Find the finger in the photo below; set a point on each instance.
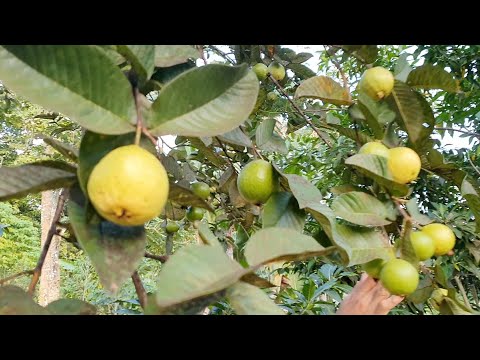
(388, 304)
(365, 284)
(378, 294)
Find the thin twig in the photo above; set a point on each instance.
(344, 78)
(300, 112)
(202, 54)
(473, 165)
(138, 133)
(221, 53)
(161, 258)
(51, 232)
(458, 130)
(224, 148)
(398, 203)
(142, 294)
(464, 294)
(150, 137)
(14, 276)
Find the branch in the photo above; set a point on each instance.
(161, 258)
(11, 277)
(202, 54)
(464, 294)
(344, 78)
(300, 112)
(224, 148)
(221, 53)
(51, 232)
(142, 294)
(458, 130)
(473, 165)
(138, 133)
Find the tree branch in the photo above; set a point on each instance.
(473, 165)
(202, 54)
(221, 53)
(14, 276)
(300, 112)
(464, 294)
(51, 232)
(161, 258)
(138, 133)
(224, 148)
(340, 70)
(458, 130)
(142, 294)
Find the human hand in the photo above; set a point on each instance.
(368, 297)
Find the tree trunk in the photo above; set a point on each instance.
(50, 278)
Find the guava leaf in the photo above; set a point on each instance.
(71, 307)
(236, 137)
(423, 292)
(275, 144)
(281, 210)
(377, 114)
(429, 76)
(275, 244)
(163, 75)
(325, 89)
(304, 191)
(412, 208)
(205, 101)
(186, 197)
(207, 152)
(264, 131)
(169, 55)
(15, 301)
(214, 271)
(402, 68)
(471, 195)
(76, 80)
(247, 299)
(451, 306)
(405, 248)
(66, 150)
(414, 114)
(94, 147)
(142, 58)
(376, 168)
(301, 57)
(302, 71)
(361, 209)
(365, 53)
(115, 251)
(207, 236)
(18, 181)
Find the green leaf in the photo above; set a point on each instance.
(358, 136)
(361, 209)
(423, 292)
(206, 101)
(249, 300)
(453, 307)
(365, 53)
(214, 271)
(207, 236)
(264, 131)
(281, 210)
(402, 68)
(94, 147)
(207, 152)
(474, 249)
(305, 192)
(275, 144)
(471, 195)
(164, 75)
(302, 71)
(429, 76)
(275, 244)
(66, 150)
(441, 277)
(18, 181)
(169, 55)
(185, 196)
(412, 208)
(236, 137)
(115, 251)
(142, 58)
(15, 301)
(412, 112)
(76, 80)
(71, 307)
(405, 248)
(112, 53)
(377, 114)
(376, 167)
(301, 57)
(325, 89)
(357, 245)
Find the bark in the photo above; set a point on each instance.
(49, 289)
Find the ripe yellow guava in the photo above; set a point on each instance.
(260, 70)
(423, 245)
(276, 70)
(257, 181)
(128, 186)
(399, 277)
(201, 189)
(377, 83)
(404, 164)
(442, 236)
(374, 148)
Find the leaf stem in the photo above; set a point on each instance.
(140, 290)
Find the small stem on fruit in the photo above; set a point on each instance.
(169, 244)
(398, 202)
(299, 111)
(464, 294)
(51, 232)
(152, 139)
(142, 294)
(14, 276)
(340, 70)
(161, 258)
(138, 133)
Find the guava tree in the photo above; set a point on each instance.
(229, 176)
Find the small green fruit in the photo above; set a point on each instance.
(195, 213)
(172, 227)
(423, 245)
(276, 70)
(377, 83)
(201, 189)
(399, 277)
(272, 96)
(257, 181)
(260, 70)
